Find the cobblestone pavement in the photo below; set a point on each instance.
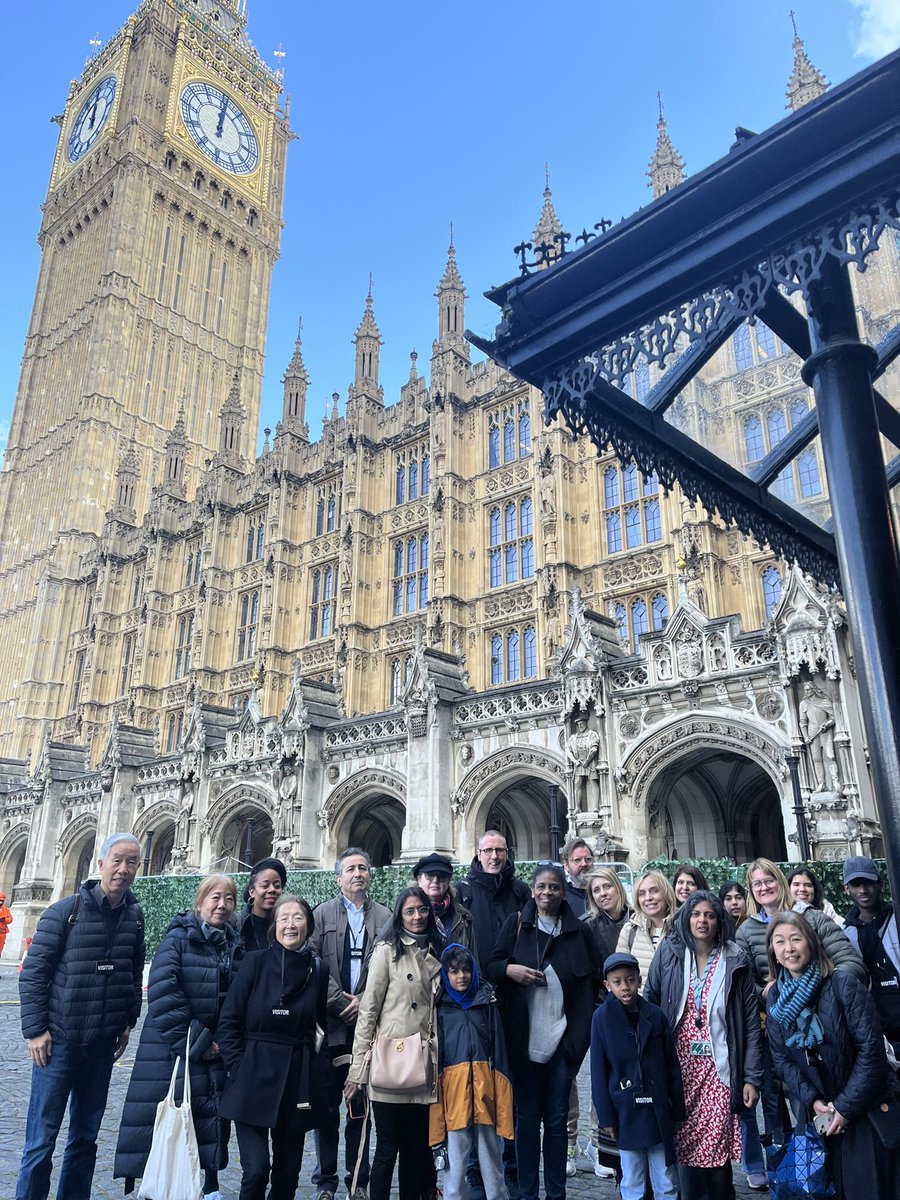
(17, 1083)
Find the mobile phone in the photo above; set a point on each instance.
(542, 981)
(357, 1107)
(822, 1120)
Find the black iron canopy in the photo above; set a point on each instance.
(670, 285)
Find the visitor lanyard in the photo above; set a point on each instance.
(698, 984)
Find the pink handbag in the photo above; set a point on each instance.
(400, 1064)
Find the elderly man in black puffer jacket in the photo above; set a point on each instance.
(80, 990)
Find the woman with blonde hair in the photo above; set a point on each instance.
(655, 906)
(607, 909)
(189, 977)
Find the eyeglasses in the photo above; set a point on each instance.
(492, 850)
(440, 876)
(415, 912)
(546, 862)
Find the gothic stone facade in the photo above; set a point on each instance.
(405, 632)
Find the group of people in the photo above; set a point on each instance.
(456, 1023)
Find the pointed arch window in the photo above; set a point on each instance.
(183, 640)
(494, 441)
(524, 430)
(513, 655)
(743, 350)
(332, 513)
(629, 483)
(529, 648)
(641, 381)
(754, 447)
(127, 657)
(771, 585)
(620, 616)
(659, 606)
(320, 515)
(497, 658)
(509, 438)
(775, 426)
(248, 611)
(765, 341)
(322, 603)
(613, 532)
(399, 677)
(511, 542)
(611, 487)
(799, 409)
(639, 623)
(652, 522)
(409, 586)
(426, 474)
(513, 665)
(413, 479)
(808, 470)
(632, 526)
(401, 482)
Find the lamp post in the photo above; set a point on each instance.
(554, 822)
(793, 763)
(248, 842)
(149, 847)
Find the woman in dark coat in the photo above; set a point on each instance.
(828, 1047)
(606, 910)
(267, 1034)
(546, 964)
(703, 982)
(189, 976)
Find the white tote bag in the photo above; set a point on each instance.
(173, 1165)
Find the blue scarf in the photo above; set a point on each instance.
(793, 1008)
(463, 999)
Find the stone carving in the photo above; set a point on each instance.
(817, 728)
(583, 755)
(689, 654)
(183, 824)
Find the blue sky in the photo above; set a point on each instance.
(413, 115)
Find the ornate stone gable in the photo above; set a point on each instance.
(805, 628)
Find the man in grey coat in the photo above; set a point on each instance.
(345, 934)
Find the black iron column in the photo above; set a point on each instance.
(793, 765)
(554, 822)
(149, 847)
(248, 843)
(840, 371)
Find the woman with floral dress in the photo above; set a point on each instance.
(703, 983)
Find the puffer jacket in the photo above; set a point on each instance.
(666, 986)
(751, 936)
(60, 987)
(856, 1076)
(634, 938)
(189, 977)
(398, 1002)
(474, 1086)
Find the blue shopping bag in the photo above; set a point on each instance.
(798, 1169)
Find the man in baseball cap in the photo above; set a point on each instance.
(871, 925)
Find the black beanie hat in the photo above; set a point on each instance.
(265, 864)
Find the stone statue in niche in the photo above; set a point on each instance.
(283, 809)
(817, 729)
(548, 491)
(183, 824)
(583, 754)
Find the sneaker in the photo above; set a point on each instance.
(361, 1193)
(758, 1182)
(571, 1169)
(599, 1169)
(324, 1195)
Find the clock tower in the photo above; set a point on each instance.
(158, 237)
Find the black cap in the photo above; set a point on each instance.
(432, 863)
(615, 961)
(266, 864)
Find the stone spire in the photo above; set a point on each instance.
(296, 382)
(547, 227)
(807, 83)
(368, 343)
(176, 453)
(666, 169)
(231, 419)
(127, 475)
(451, 298)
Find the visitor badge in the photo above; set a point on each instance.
(701, 1050)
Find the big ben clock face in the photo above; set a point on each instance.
(91, 119)
(219, 128)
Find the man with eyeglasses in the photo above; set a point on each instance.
(345, 935)
(578, 859)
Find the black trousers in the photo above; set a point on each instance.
(325, 1176)
(286, 1158)
(704, 1183)
(401, 1132)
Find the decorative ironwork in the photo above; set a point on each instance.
(546, 253)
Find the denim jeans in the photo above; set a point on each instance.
(542, 1097)
(639, 1165)
(752, 1159)
(82, 1073)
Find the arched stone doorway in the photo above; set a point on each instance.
(160, 848)
(376, 826)
(715, 803)
(12, 862)
(78, 855)
(510, 792)
(246, 838)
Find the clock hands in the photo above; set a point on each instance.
(221, 123)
